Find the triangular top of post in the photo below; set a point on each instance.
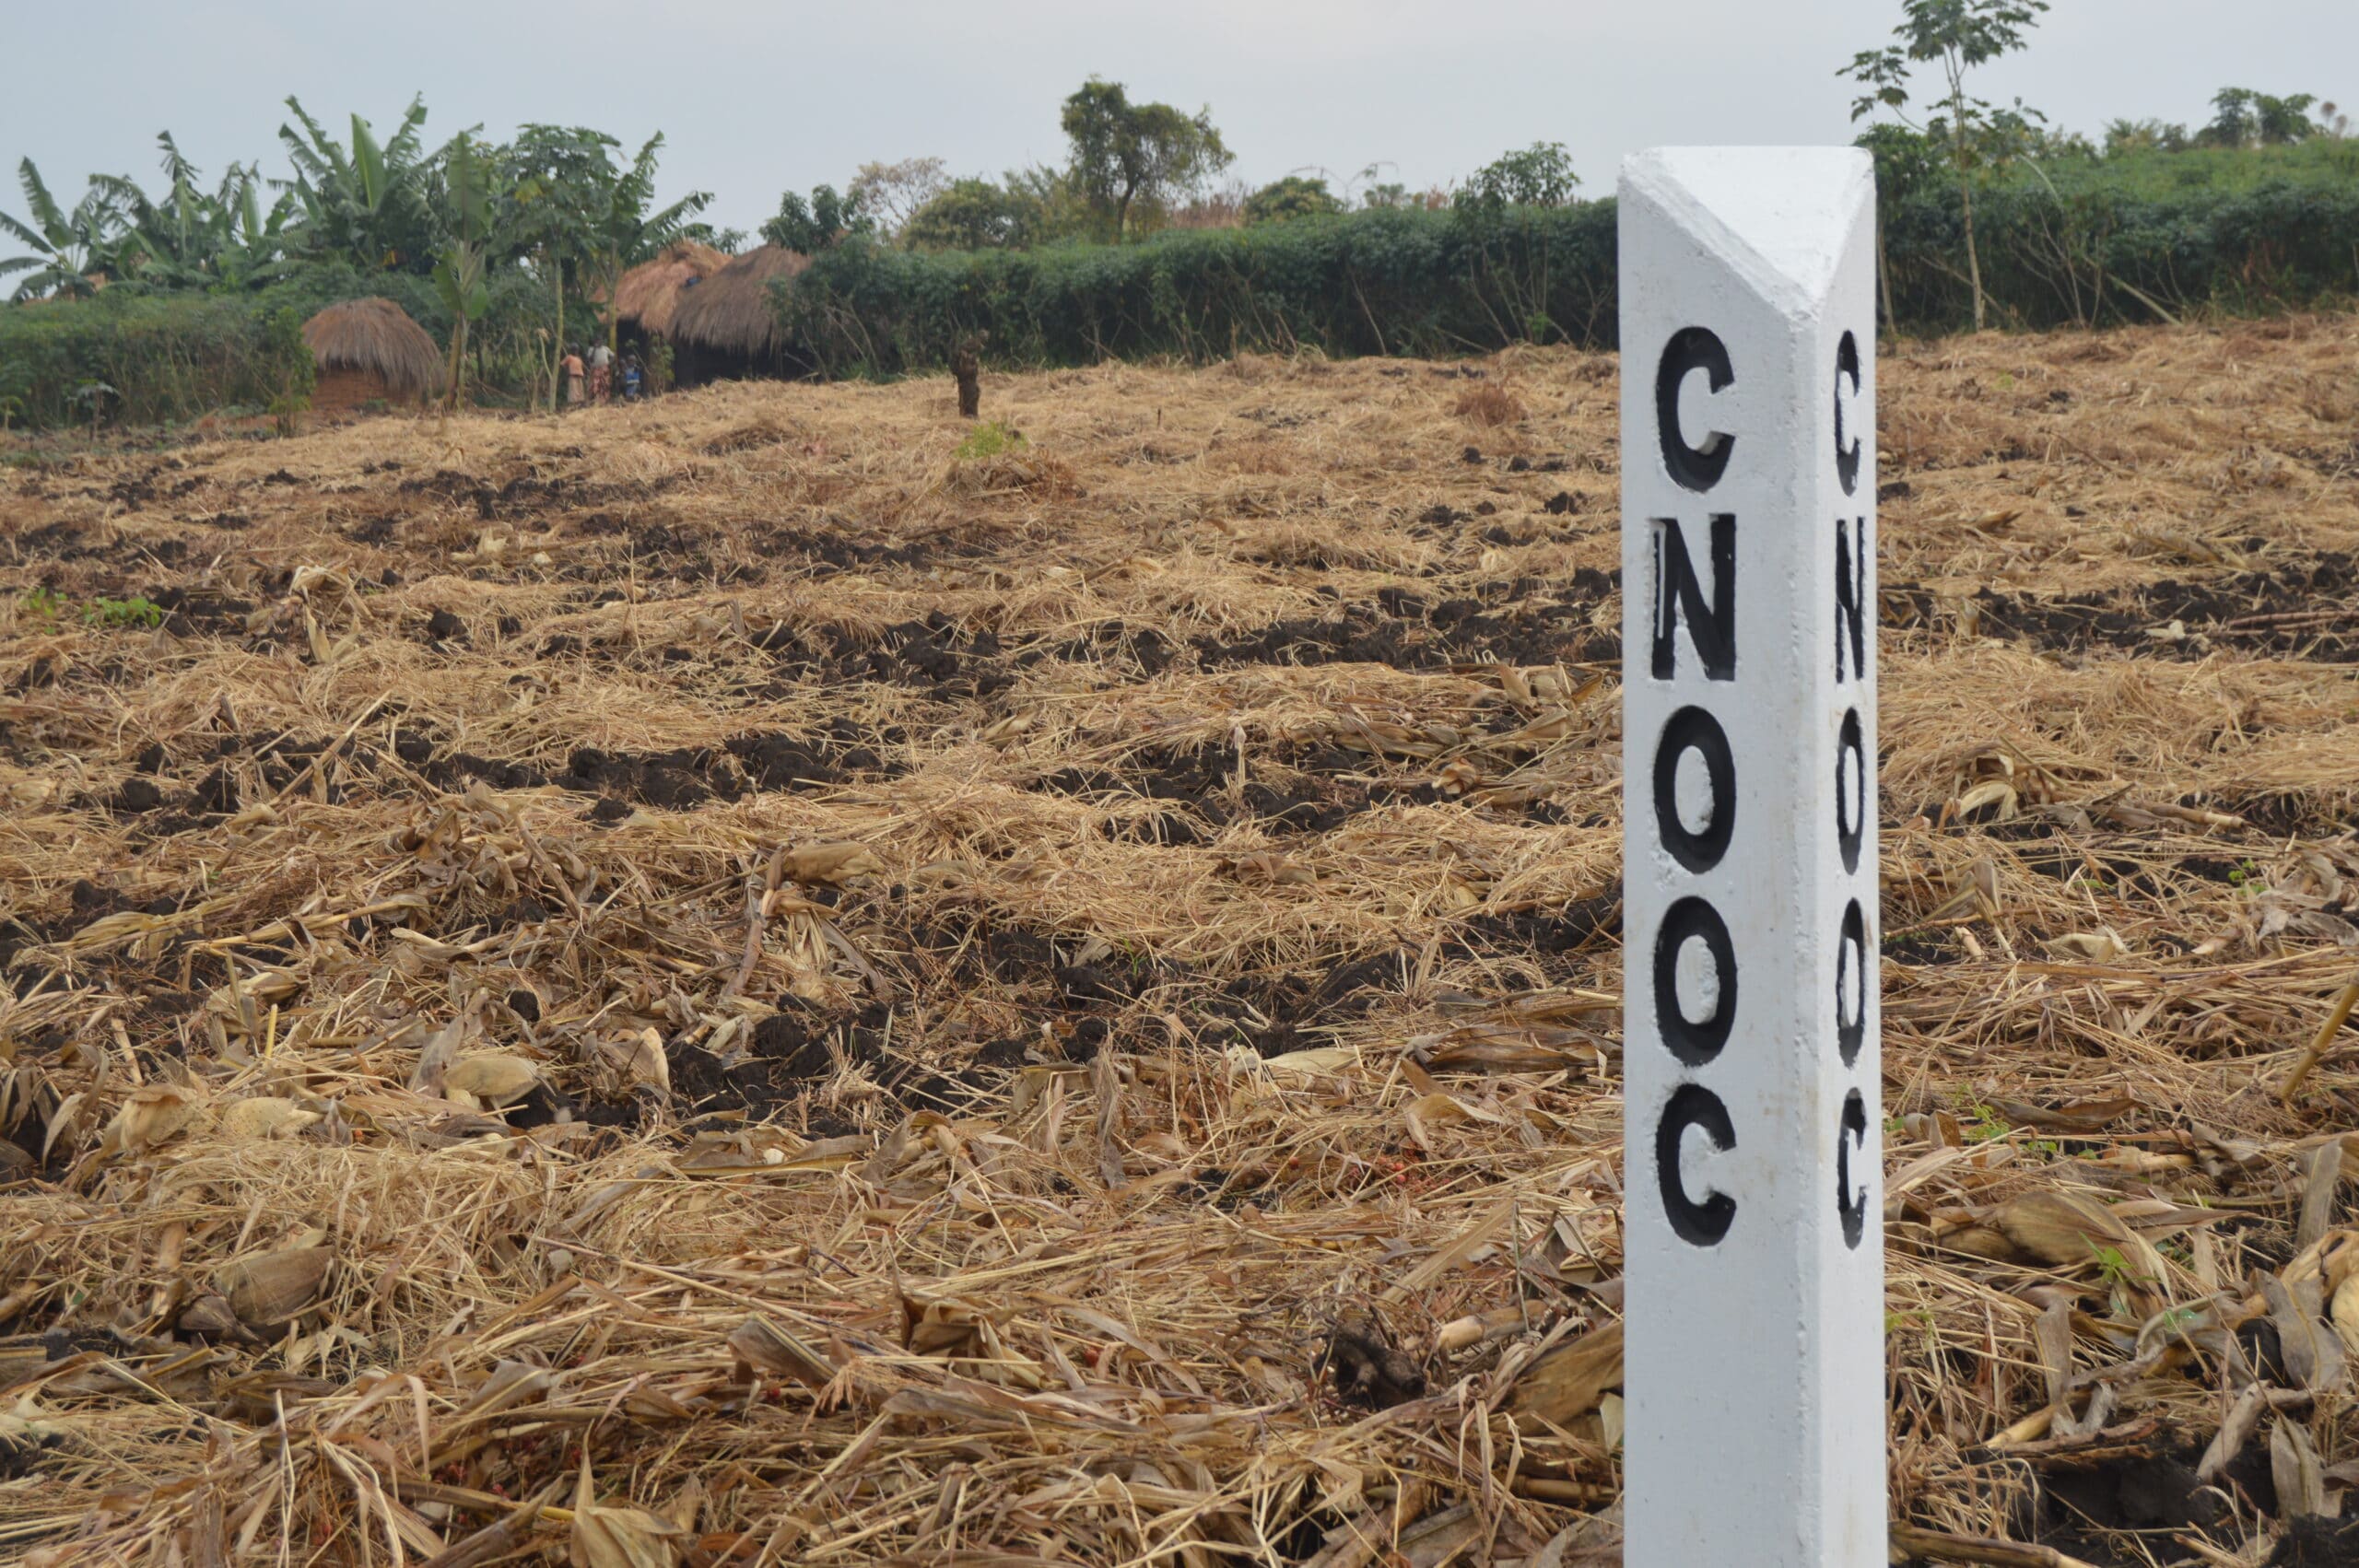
(1780, 217)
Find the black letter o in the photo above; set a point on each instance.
(1851, 791)
(1693, 1043)
(1692, 728)
(1851, 978)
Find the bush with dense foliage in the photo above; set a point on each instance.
(1395, 281)
(1297, 195)
(2140, 237)
(2128, 239)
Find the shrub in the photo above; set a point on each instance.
(1293, 196)
(990, 439)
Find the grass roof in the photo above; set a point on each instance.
(730, 312)
(376, 336)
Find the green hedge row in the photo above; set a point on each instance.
(2085, 252)
(1385, 282)
(2123, 239)
(130, 358)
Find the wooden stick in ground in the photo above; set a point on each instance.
(1943, 1547)
(2325, 1037)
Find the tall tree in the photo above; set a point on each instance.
(1128, 157)
(68, 248)
(1957, 35)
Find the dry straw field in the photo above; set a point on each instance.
(719, 983)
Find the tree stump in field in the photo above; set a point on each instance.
(966, 367)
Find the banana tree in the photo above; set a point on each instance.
(195, 239)
(365, 204)
(69, 249)
(459, 270)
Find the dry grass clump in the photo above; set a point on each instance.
(1488, 406)
(715, 982)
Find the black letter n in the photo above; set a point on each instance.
(1850, 583)
(1678, 596)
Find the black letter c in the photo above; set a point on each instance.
(1692, 348)
(1698, 1224)
(1846, 456)
(1853, 1204)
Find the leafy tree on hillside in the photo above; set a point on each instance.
(1957, 35)
(974, 214)
(1539, 176)
(1129, 158)
(2243, 118)
(68, 248)
(367, 203)
(2124, 136)
(821, 224)
(1297, 195)
(895, 193)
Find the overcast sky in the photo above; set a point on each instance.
(758, 98)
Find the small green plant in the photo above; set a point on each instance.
(990, 439)
(1984, 1125)
(46, 603)
(289, 369)
(138, 610)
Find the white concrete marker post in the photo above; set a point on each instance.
(1754, 1431)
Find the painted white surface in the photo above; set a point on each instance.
(1754, 1432)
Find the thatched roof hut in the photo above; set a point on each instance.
(724, 327)
(648, 293)
(370, 351)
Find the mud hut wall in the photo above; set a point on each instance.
(341, 389)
